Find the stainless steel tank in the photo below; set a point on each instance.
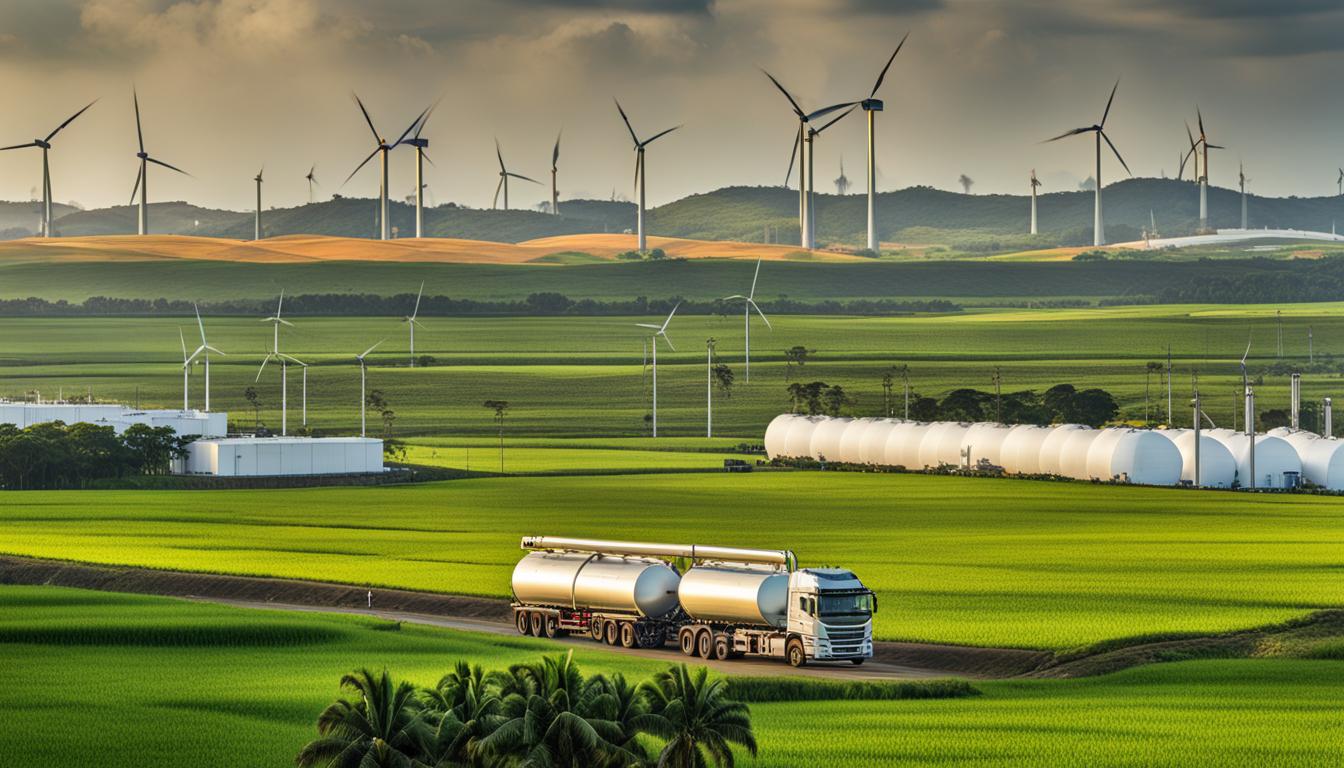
(736, 594)
(596, 582)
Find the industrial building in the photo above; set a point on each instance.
(248, 456)
(1282, 459)
(192, 423)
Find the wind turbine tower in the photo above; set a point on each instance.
(382, 147)
(872, 106)
(639, 171)
(1098, 232)
(1241, 178)
(420, 144)
(1035, 182)
(1201, 149)
(257, 179)
(812, 134)
(799, 150)
(658, 330)
(312, 179)
(45, 146)
(142, 180)
(411, 321)
(555, 169)
(203, 352)
(748, 304)
(362, 381)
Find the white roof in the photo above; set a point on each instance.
(288, 440)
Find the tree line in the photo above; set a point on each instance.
(545, 713)
(535, 304)
(53, 455)
(1061, 404)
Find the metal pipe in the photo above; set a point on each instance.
(1327, 407)
(642, 549)
(1296, 391)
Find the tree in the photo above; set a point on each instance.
(384, 726)
(964, 405)
(1058, 403)
(696, 718)
(1095, 407)
(254, 399)
(835, 400)
(500, 408)
(795, 355)
(723, 379)
(965, 182)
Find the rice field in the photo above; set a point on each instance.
(988, 562)
(159, 682)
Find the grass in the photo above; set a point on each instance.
(530, 456)
(959, 560)
(584, 376)
(168, 702)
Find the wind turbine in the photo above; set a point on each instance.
(383, 147)
(45, 146)
(799, 147)
(420, 157)
(872, 106)
(362, 378)
(186, 369)
(312, 179)
(142, 180)
(1250, 412)
(1340, 181)
(1035, 182)
(842, 181)
(274, 353)
(1198, 148)
(284, 361)
(658, 330)
(812, 134)
(257, 179)
(639, 169)
(504, 175)
(748, 304)
(411, 322)
(1241, 178)
(1098, 233)
(1185, 157)
(555, 168)
(203, 352)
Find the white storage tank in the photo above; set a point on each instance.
(942, 444)
(1322, 458)
(798, 441)
(902, 448)
(874, 446)
(1020, 453)
(1134, 455)
(736, 594)
(1217, 469)
(1073, 453)
(851, 441)
(1052, 447)
(775, 434)
(984, 441)
(826, 438)
(600, 582)
(1276, 462)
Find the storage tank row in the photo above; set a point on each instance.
(1144, 457)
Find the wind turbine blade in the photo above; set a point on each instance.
(182, 338)
(284, 322)
(136, 188)
(199, 324)
(670, 314)
(1116, 151)
(410, 127)
(628, 127)
(169, 167)
(361, 165)
(367, 119)
(797, 137)
(835, 120)
(216, 351)
(425, 155)
(734, 297)
(754, 278)
(500, 155)
(828, 110)
(194, 355)
(370, 349)
(762, 314)
(1199, 116)
(418, 294)
(641, 325)
(1247, 353)
(880, 77)
(555, 153)
(69, 120)
(669, 341)
(279, 305)
(500, 185)
(796, 109)
(638, 166)
(1102, 124)
(1074, 132)
(1214, 146)
(292, 359)
(524, 178)
(20, 146)
(655, 136)
(1188, 135)
(139, 134)
(264, 361)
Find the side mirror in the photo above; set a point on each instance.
(873, 597)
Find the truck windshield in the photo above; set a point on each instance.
(845, 604)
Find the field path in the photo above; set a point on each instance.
(892, 661)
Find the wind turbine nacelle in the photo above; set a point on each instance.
(421, 143)
(871, 105)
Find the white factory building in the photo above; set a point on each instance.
(248, 456)
(1282, 458)
(115, 415)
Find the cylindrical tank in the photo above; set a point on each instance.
(798, 440)
(1073, 453)
(984, 440)
(1134, 455)
(902, 448)
(599, 582)
(1322, 458)
(942, 444)
(1052, 447)
(775, 434)
(1020, 453)
(872, 450)
(735, 594)
(1217, 469)
(826, 438)
(1275, 459)
(851, 441)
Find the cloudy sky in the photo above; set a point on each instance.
(229, 85)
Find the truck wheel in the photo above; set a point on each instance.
(722, 650)
(704, 644)
(595, 629)
(524, 626)
(795, 654)
(628, 635)
(856, 662)
(552, 627)
(687, 641)
(612, 633)
(536, 624)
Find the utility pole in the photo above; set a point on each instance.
(709, 386)
(1194, 382)
(1278, 323)
(1168, 385)
(998, 400)
(1311, 349)
(905, 375)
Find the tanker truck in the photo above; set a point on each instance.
(723, 602)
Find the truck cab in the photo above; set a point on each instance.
(831, 615)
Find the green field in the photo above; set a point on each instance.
(584, 376)
(959, 560)
(118, 680)
(544, 456)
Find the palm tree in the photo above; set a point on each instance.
(460, 711)
(619, 702)
(696, 718)
(384, 728)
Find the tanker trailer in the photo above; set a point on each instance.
(729, 602)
